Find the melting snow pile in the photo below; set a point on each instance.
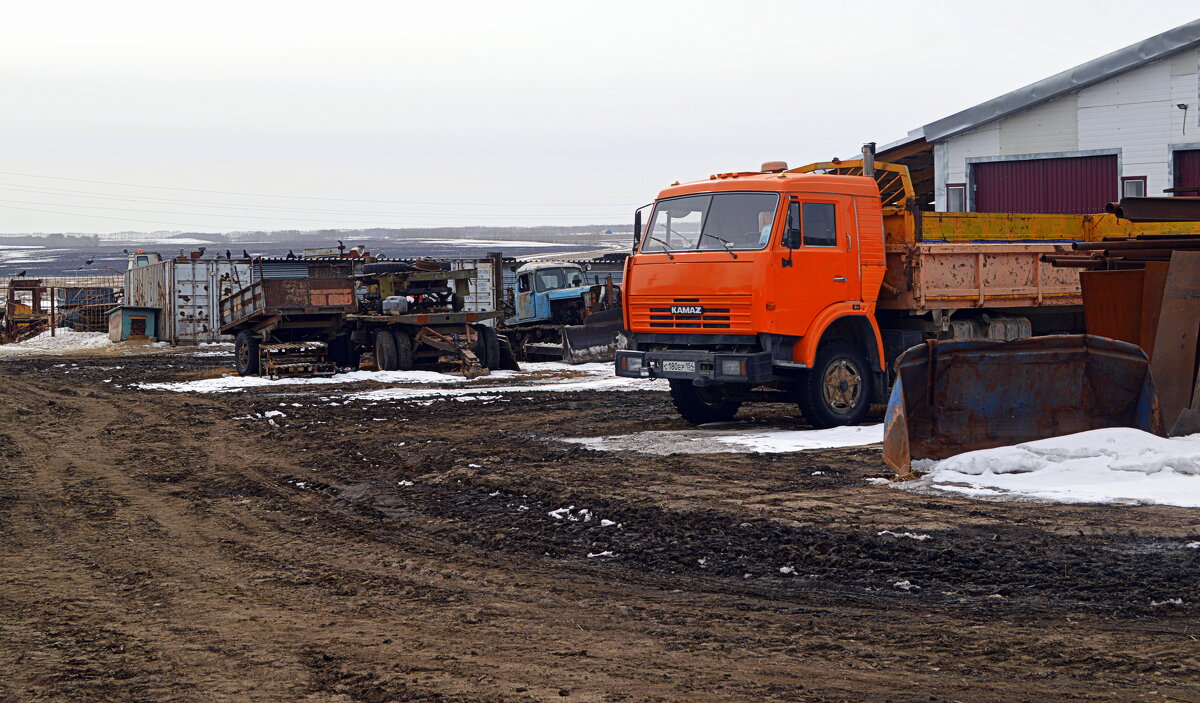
(546, 376)
(64, 341)
(1115, 465)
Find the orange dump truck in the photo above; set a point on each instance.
(803, 285)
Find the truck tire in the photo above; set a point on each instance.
(700, 405)
(837, 391)
(387, 267)
(404, 350)
(245, 353)
(385, 350)
(489, 347)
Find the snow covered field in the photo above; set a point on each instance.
(1116, 465)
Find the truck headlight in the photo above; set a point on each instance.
(733, 367)
(631, 363)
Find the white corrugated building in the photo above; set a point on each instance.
(1124, 124)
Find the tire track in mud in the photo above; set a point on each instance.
(353, 588)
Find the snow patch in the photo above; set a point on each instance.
(1114, 465)
(721, 439)
(909, 535)
(64, 341)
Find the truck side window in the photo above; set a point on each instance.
(820, 227)
(523, 283)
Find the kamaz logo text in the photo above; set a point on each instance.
(686, 310)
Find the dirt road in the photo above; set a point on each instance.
(171, 547)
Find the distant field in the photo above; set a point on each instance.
(108, 256)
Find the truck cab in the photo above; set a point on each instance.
(549, 292)
(760, 285)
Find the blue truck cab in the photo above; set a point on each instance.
(549, 292)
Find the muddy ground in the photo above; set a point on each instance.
(159, 546)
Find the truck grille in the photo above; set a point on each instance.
(724, 314)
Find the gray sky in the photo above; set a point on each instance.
(397, 114)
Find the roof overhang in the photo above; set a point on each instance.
(1155, 48)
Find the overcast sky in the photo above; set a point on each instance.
(397, 114)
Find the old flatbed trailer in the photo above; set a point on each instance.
(804, 285)
(317, 326)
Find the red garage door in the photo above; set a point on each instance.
(1187, 170)
(1081, 185)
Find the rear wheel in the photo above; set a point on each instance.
(385, 350)
(245, 353)
(701, 404)
(404, 350)
(837, 391)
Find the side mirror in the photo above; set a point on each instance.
(637, 228)
(791, 238)
(791, 232)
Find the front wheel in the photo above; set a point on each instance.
(245, 353)
(837, 391)
(701, 404)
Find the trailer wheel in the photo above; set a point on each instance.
(385, 350)
(837, 391)
(404, 350)
(489, 347)
(245, 353)
(699, 405)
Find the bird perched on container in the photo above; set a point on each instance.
(19, 275)
(245, 254)
(290, 255)
(89, 262)
(228, 255)
(201, 250)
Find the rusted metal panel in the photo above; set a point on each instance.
(952, 397)
(197, 286)
(1174, 361)
(1112, 304)
(288, 296)
(1078, 185)
(939, 276)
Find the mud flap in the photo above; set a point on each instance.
(957, 396)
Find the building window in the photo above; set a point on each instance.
(1133, 187)
(956, 197)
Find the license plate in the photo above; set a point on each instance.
(679, 366)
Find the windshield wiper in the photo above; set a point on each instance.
(728, 245)
(666, 247)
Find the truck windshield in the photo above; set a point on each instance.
(553, 279)
(712, 222)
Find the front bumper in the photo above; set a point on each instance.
(700, 367)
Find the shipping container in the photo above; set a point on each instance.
(187, 293)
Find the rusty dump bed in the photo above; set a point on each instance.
(957, 260)
(952, 397)
(290, 297)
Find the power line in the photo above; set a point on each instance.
(36, 190)
(303, 197)
(292, 219)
